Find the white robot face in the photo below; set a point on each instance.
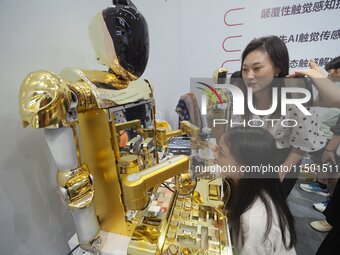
(102, 41)
(119, 35)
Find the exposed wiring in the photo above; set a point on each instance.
(71, 252)
(120, 134)
(147, 203)
(181, 194)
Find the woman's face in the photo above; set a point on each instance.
(223, 156)
(258, 70)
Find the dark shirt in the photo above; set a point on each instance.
(336, 129)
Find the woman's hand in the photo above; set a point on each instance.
(313, 72)
(329, 94)
(329, 152)
(328, 156)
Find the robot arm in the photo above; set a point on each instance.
(47, 102)
(75, 185)
(136, 185)
(186, 128)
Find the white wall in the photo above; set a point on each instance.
(203, 31)
(35, 35)
(39, 34)
(185, 41)
(164, 67)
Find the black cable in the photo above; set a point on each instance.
(167, 187)
(146, 205)
(71, 252)
(122, 133)
(181, 194)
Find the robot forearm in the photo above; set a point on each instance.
(74, 184)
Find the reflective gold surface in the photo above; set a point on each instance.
(189, 128)
(136, 185)
(77, 187)
(98, 88)
(196, 197)
(205, 193)
(114, 137)
(155, 218)
(161, 136)
(44, 100)
(143, 232)
(173, 133)
(118, 69)
(215, 192)
(186, 128)
(135, 124)
(187, 227)
(82, 202)
(219, 73)
(196, 228)
(147, 147)
(147, 143)
(148, 132)
(64, 176)
(184, 183)
(106, 78)
(100, 158)
(85, 95)
(129, 164)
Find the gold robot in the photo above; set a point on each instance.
(112, 188)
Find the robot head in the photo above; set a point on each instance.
(220, 75)
(45, 100)
(119, 35)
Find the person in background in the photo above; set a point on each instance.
(265, 62)
(328, 96)
(260, 218)
(331, 244)
(333, 174)
(327, 155)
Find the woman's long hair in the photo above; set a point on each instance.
(256, 147)
(278, 54)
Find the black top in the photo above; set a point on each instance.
(336, 129)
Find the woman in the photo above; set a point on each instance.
(263, 60)
(260, 218)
